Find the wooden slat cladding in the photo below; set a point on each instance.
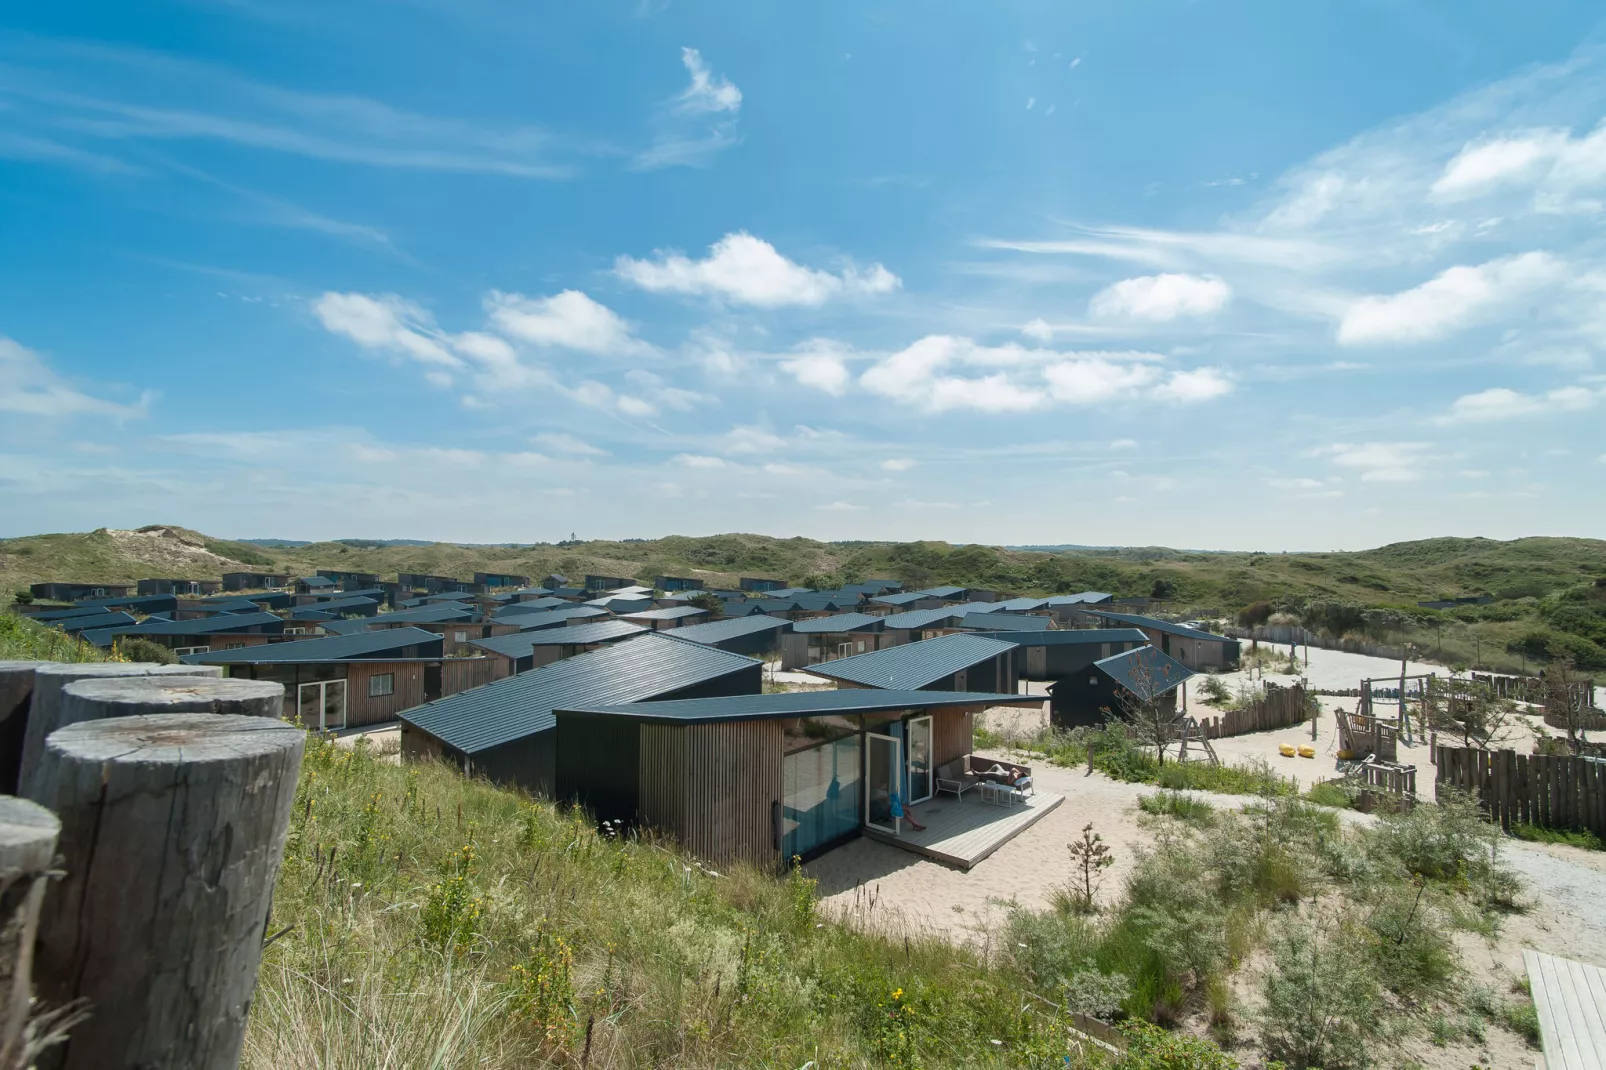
(460, 674)
(713, 787)
(408, 683)
(951, 735)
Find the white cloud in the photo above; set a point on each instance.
(384, 321)
(569, 444)
(696, 123)
(898, 464)
(634, 406)
(1479, 167)
(1039, 330)
(601, 396)
(1161, 298)
(1201, 384)
(567, 320)
(28, 387)
(667, 395)
(1124, 444)
(748, 270)
(1295, 484)
(930, 374)
(695, 460)
(819, 364)
(752, 440)
(842, 507)
(1499, 403)
(1458, 297)
(1380, 462)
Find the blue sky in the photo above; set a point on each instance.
(1205, 274)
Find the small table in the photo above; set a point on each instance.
(996, 794)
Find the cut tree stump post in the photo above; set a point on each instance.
(172, 831)
(16, 696)
(51, 677)
(27, 846)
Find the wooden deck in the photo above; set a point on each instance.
(1571, 1000)
(962, 832)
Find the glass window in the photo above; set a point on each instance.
(822, 794)
(382, 683)
(801, 733)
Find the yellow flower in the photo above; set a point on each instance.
(897, 993)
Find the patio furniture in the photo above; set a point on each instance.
(998, 771)
(995, 794)
(954, 778)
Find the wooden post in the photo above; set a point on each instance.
(16, 696)
(51, 677)
(27, 847)
(172, 830)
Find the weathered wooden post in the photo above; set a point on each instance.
(16, 696)
(172, 830)
(51, 677)
(27, 846)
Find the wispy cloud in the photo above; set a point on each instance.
(29, 387)
(697, 123)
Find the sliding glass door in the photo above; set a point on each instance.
(822, 785)
(883, 782)
(919, 736)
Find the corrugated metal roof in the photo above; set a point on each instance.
(840, 622)
(334, 604)
(720, 630)
(63, 614)
(327, 648)
(143, 603)
(617, 604)
(315, 581)
(522, 705)
(1080, 598)
(1071, 637)
(552, 618)
(944, 592)
(912, 666)
(534, 605)
(522, 644)
(671, 613)
(312, 613)
(920, 619)
(1146, 671)
(817, 602)
(95, 621)
(1020, 605)
(764, 605)
(796, 704)
(222, 623)
(787, 592)
(1137, 621)
(898, 599)
(450, 611)
(1007, 622)
(346, 627)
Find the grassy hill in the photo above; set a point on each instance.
(1544, 587)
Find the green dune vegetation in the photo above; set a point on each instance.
(424, 919)
(1546, 595)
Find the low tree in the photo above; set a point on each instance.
(22, 596)
(1090, 857)
(709, 601)
(1148, 706)
(1568, 704)
(1471, 711)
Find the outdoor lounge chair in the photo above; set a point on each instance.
(956, 778)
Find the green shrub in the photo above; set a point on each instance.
(1337, 793)
(1180, 805)
(1406, 936)
(1582, 838)
(138, 648)
(1322, 1003)
(1152, 1048)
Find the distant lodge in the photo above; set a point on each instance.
(646, 703)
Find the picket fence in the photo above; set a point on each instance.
(1553, 791)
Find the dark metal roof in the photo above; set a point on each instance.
(944, 592)
(912, 666)
(765, 605)
(345, 627)
(552, 618)
(332, 604)
(327, 648)
(794, 704)
(220, 624)
(63, 614)
(1136, 621)
(1007, 622)
(1071, 637)
(1020, 605)
(522, 705)
(523, 644)
(923, 618)
(1080, 598)
(672, 613)
(315, 581)
(95, 621)
(450, 611)
(840, 622)
(142, 603)
(720, 630)
(787, 592)
(1146, 671)
(230, 605)
(534, 605)
(313, 613)
(899, 599)
(820, 601)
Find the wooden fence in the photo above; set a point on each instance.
(1553, 791)
(1276, 707)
